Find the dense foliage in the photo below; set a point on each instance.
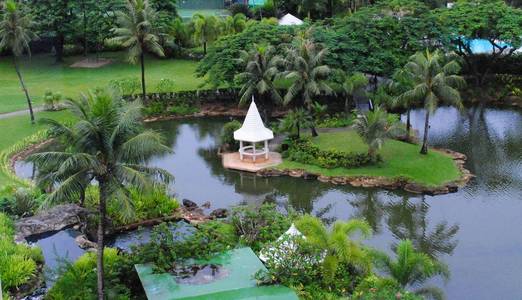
(305, 151)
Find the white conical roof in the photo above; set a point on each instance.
(289, 19)
(253, 129)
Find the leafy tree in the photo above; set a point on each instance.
(412, 268)
(307, 73)
(261, 67)
(311, 8)
(337, 243)
(435, 81)
(15, 35)
(206, 29)
(221, 65)
(352, 84)
(135, 31)
(108, 144)
(374, 129)
(295, 120)
(491, 20)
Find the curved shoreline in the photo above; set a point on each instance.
(385, 182)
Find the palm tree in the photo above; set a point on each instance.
(206, 29)
(412, 268)
(234, 24)
(295, 120)
(352, 84)
(109, 145)
(307, 7)
(261, 67)
(434, 81)
(307, 73)
(374, 129)
(402, 82)
(337, 243)
(15, 35)
(135, 32)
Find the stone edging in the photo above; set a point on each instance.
(384, 182)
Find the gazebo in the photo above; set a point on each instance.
(253, 131)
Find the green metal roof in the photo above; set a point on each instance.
(238, 284)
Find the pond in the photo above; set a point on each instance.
(475, 231)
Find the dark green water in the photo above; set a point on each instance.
(475, 231)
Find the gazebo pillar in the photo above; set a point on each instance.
(266, 149)
(241, 150)
(254, 151)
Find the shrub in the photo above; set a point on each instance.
(78, 280)
(126, 86)
(154, 108)
(17, 261)
(227, 136)
(336, 122)
(257, 227)
(183, 109)
(165, 85)
(19, 201)
(51, 100)
(376, 288)
(305, 151)
(239, 8)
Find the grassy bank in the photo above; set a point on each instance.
(17, 128)
(399, 160)
(41, 72)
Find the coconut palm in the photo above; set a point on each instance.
(15, 35)
(206, 29)
(402, 82)
(351, 85)
(261, 67)
(411, 269)
(374, 128)
(234, 24)
(307, 73)
(435, 81)
(135, 32)
(110, 145)
(295, 120)
(337, 243)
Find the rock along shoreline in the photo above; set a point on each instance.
(384, 182)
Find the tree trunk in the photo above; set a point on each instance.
(408, 124)
(314, 131)
(144, 92)
(346, 106)
(424, 149)
(298, 130)
(205, 48)
(29, 103)
(58, 46)
(100, 241)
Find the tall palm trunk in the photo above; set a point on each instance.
(29, 103)
(424, 149)
(408, 124)
(144, 93)
(100, 241)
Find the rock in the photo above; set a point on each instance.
(453, 188)
(310, 176)
(323, 178)
(54, 219)
(296, 173)
(414, 188)
(206, 204)
(84, 243)
(189, 204)
(219, 213)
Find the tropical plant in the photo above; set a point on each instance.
(206, 30)
(351, 85)
(109, 145)
(337, 243)
(307, 74)
(295, 120)
(435, 81)
(15, 35)
(135, 32)
(234, 24)
(227, 136)
(412, 269)
(374, 128)
(261, 66)
(52, 99)
(400, 83)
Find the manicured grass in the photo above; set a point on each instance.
(15, 129)
(41, 72)
(400, 160)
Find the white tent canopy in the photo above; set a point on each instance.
(289, 20)
(253, 131)
(291, 232)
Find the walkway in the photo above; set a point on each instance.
(20, 112)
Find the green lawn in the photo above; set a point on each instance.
(17, 128)
(400, 160)
(41, 72)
